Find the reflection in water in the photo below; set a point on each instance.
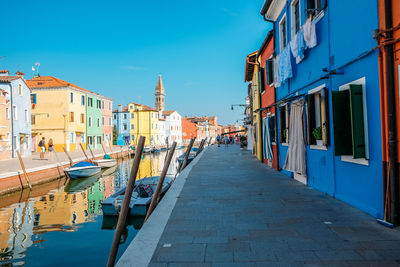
(48, 223)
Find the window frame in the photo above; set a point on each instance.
(20, 89)
(320, 90)
(293, 30)
(285, 106)
(282, 45)
(71, 97)
(349, 158)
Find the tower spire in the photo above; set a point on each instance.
(160, 95)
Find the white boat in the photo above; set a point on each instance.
(147, 149)
(105, 163)
(82, 169)
(139, 203)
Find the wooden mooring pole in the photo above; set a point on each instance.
(104, 150)
(23, 169)
(84, 153)
(91, 152)
(125, 205)
(188, 149)
(200, 147)
(69, 157)
(156, 195)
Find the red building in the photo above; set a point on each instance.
(189, 129)
(267, 91)
(388, 39)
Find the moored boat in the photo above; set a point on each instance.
(105, 163)
(141, 196)
(82, 169)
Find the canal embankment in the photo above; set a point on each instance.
(229, 208)
(39, 171)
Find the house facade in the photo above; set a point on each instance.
(93, 120)
(389, 65)
(173, 126)
(19, 96)
(5, 125)
(189, 129)
(327, 88)
(267, 94)
(143, 122)
(106, 119)
(58, 112)
(121, 121)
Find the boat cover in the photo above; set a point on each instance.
(82, 164)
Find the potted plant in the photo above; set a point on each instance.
(285, 136)
(317, 133)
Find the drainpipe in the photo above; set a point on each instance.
(391, 113)
(12, 123)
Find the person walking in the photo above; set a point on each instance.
(51, 149)
(42, 145)
(226, 139)
(218, 139)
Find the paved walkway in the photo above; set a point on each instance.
(235, 211)
(7, 167)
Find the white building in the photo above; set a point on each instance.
(173, 126)
(162, 135)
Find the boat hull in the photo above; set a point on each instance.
(82, 172)
(105, 163)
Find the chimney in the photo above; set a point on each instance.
(4, 73)
(119, 107)
(20, 74)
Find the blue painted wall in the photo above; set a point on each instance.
(344, 37)
(120, 121)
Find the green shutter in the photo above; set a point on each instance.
(357, 120)
(270, 71)
(310, 103)
(262, 79)
(341, 123)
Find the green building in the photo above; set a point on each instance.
(93, 121)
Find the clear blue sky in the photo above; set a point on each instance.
(118, 48)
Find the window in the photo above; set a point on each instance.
(90, 139)
(261, 79)
(82, 118)
(20, 89)
(98, 122)
(33, 98)
(131, 107)
(350, 120)
(115, 116)
(99, 139)
(132, 126)
(314, 7)
(125, 127)
(132, 115)
(71, 117)
(82, 100)
(90, 122)
(90, 102)
(132, 137)
(15, 112)
(269, 69)
(295, 18)
(72, 138)
(102, 120)
(284, 123)
(109, 121)
(317, 117)
(83, 138)
(71, 97)
(98, 104)
(26, 115)
(7, 113)
(272, 128)
(282, 34)
(102, 104)
(125, 116)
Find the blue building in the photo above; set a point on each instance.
(19, 96)
(326, 76)
(121, 121)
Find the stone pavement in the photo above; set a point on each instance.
(33, 161)
(235, 211)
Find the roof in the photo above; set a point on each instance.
(147, 108)
(4, 71)
(20, 73)
(249, 67)
(124, 109)
(7, 79)
(265, 7)
(168, 112)
(50, 81)
(161, 119)
(266, 42)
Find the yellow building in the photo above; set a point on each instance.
(58, 112)
(251, 75)
(143, 122)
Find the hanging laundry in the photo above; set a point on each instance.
(301, 46)
(267, 149)
(294, 45)
(310, 36)
(284, 65)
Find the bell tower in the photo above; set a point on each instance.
(160, 95)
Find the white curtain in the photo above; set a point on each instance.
(267, 149)
(295, 157)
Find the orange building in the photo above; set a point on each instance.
(388, 38)
(189, 129)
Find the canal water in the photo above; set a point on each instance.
(61, 223)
